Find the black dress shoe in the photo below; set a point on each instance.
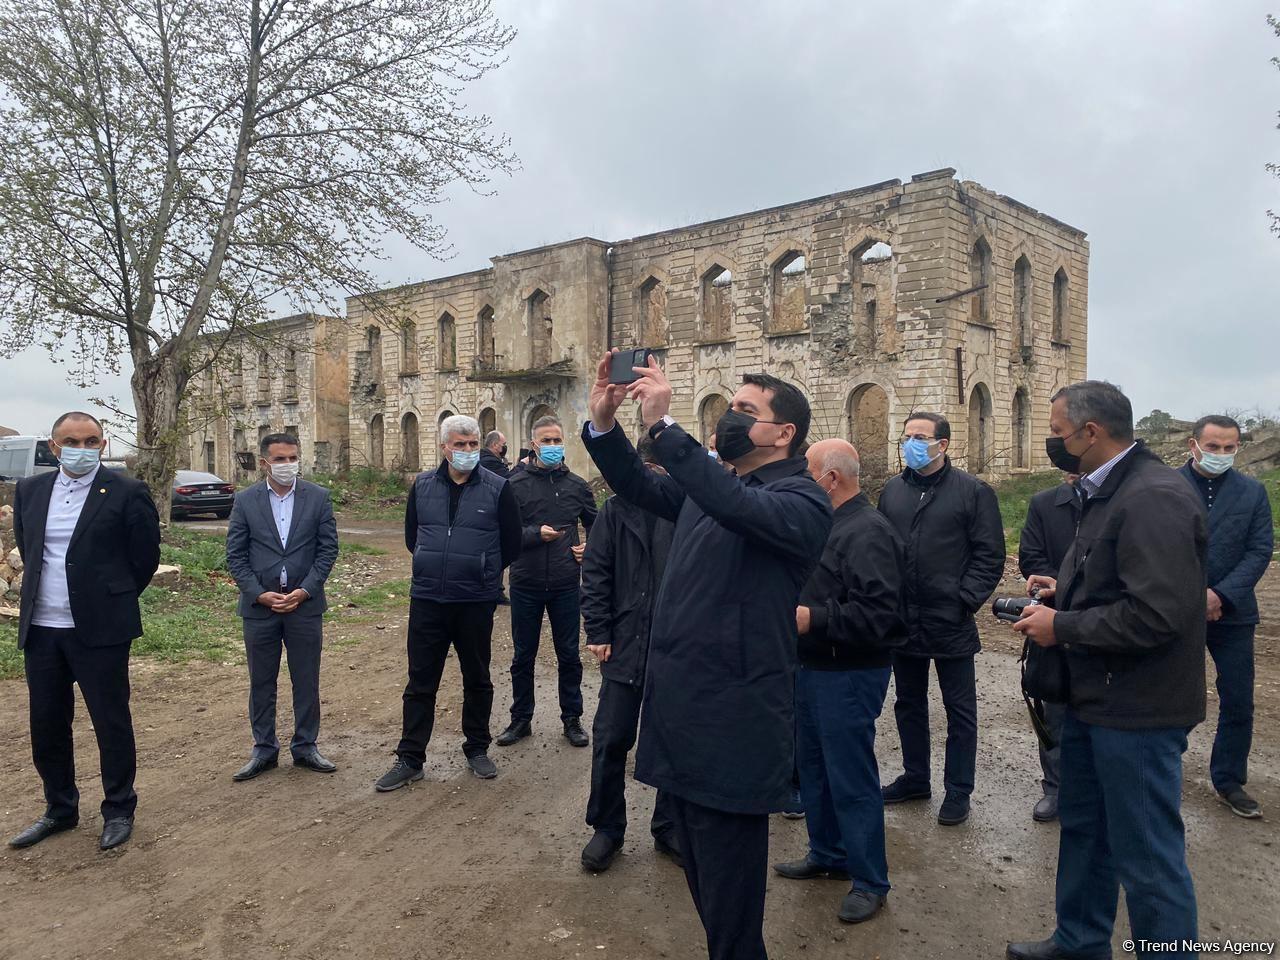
(315, 761)
(255, 767)
(518, 730)
(859, 905)
(482, 766)
(1046, 811)
(599, 852)
(1049, 950)
(400, 775)
(44, 827)
(902, 790)
(574, 733)
(669, 850)
(806, 869)
(954, 810)
(116, 832)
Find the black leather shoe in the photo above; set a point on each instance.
(116, 832)
(400, 775)
(482, 766)
(44, 827)
(1049, 950)
(954, 810)
(669, 850)
(859, 905)
(1241, 804)
(806, 869)
(574, 733)
(1046, 811)
(518, 730)
(902, 790)
(255, 767)
(599, 852)
(315, 761)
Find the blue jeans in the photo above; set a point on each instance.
(562, 610)
(1232, 650)
(836, 713)
(1119, 807)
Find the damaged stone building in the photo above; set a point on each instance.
(933, 293)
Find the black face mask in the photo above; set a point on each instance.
(503, 451)
(1060, 456)
(733, 440)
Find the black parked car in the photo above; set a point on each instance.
(195, 492)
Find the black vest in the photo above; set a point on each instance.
(459, 562)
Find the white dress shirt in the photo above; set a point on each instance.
(282, 510)
(1091, 483)
(53, 599)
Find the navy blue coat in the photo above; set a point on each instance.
(1241, 541)
(717, 723)
(456, 559)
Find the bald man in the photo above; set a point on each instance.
(849, 621)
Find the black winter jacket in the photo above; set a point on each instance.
(558, 498)
(856, 615)
(621, 573)
(494, 463)
(954, 539)
(1131, 600)
(1241, 541)
(1049, 531)
(717, 725)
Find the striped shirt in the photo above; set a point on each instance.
(1091, 483)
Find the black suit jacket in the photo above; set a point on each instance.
(113, 554)
(1049, 531)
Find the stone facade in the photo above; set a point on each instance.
(286, 376)
(864, 299)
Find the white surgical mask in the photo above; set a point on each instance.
(1215, 464)
(284, 473)
(464, 461)
(78, 461)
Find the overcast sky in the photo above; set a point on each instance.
(1145, 124)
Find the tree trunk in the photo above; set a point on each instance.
(157, 386)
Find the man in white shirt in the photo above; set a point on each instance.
(90, 540)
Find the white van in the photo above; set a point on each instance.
(25, 457)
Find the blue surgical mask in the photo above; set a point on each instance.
(713, 455)
(1215, 464)
(79, 460)
(464, 461)
(915, 453)
(551, 456)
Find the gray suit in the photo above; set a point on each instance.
(255, 556)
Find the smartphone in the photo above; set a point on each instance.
(620, 366)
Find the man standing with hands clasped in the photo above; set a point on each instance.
(717, 723)
(282, 541)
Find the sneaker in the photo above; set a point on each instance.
(400, 775)
(482, 766)
(599, 852)
(902, 790)
(1241, 804)
(518, 730)
(1046, 811)
(794, 809)
(954, 810)
(668, 849)
(859, 905)
(574, 733)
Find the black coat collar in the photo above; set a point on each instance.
(777, 470)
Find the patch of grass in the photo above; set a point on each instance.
(10, 655)
(347, 548)
(383, 596)
(366, 494)
(1271, 480)
(1015, 496)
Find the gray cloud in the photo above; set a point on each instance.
(1146, 124)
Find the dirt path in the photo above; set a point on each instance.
(298, 865)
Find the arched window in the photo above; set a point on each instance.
(485, 347)
(373, 344)
(291, 375)
(1022, 306)
(871, 270)
(448, 343)
(264, 377)
(653, 313)
(541, 329)
(409, 457)
(788, 281)
(717, 303)
(1021, 431)
(409, 347)
(980, 276)
(709, 414)
(488, 421)
(1061, 305)
(376, 432)
(978, 450)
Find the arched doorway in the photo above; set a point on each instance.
(409, 456)
(869, 432)
(709, 414)
(488, 421)
(376, 432)
(978, 450)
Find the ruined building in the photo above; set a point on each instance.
(931, 294)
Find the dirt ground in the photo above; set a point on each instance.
(299, 865)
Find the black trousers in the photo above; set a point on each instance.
(56, 659)
(726, 862)
(613, 734)
(432, 628)
(959, 686)
(302, 638)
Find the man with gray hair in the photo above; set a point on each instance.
(462, 526)
(1128, 611)
(849, 620)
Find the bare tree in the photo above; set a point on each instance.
(1274, 168)
(171, 167)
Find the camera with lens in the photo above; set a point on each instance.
(1009, 609)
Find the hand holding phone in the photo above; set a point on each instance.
(622, 363)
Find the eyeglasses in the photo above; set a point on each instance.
(916, 436)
